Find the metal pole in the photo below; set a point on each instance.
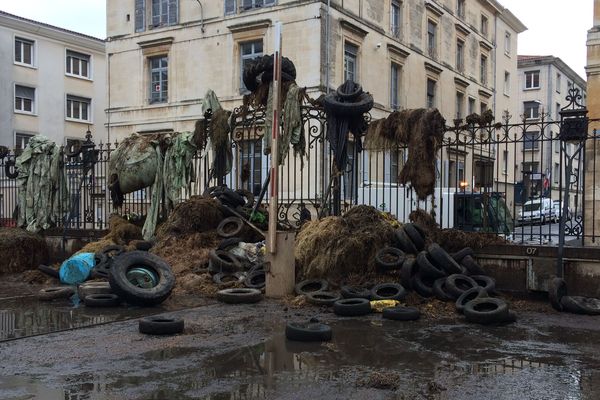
(275, 142)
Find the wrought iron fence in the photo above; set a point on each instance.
(508, 178)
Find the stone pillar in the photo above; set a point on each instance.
(592, 189)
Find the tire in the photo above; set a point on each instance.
(408, 271)
(223, 261)
(473, 268)
(225, 278)
(248, 196)
(556, 291)
(136, 295)
(439, 290)
(265, 64)
(307, 332)
(427, 268)
(471, 294)
(231, 198)
(415, 236)
(310, 286)
(73, 150)
(486, 310)
(161, 326)
(457, 284)
(224, 231)
(438, 256)
(112, 251)
(229, 243)
(459, 255)
(396, 255)
(580, 305)
(357, 90)
(352, 307)
(89, 288)
(388, 291)
(363, 104)
(10, 169)
(255, 280)
(489, 284)
(401, 313)
(423, 285)
(403, 242)
(239, 296)
(213, 191)
(355, 292)
(323, 298)
(56, 292)
(102, 300)
(49, 271)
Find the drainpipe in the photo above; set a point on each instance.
(108, 113)
(327, 34)
(201, 16)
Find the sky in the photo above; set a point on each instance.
(555, 27)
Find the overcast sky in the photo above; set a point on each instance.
(555, 27)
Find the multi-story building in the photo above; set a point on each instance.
(52, 82)
(544, 83)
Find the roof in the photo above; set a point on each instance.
(524, 61)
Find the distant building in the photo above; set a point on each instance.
(52, 82)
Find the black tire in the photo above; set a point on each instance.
(440, 292)
(225, 278)
(408, 271)
(133, 294)
(161, 326)
(363, 104)
(213, 191)
(457, 284)
(248, 196)
(143, 245)
(442, 259)
(264, 64)
(239, 296)
(423, 285)
(74, 150)
(473, 268)
(223, 261)
(396, 255)
(388, 291)
(352, 307)
(486, 282)
(10, 169)
(415, 236)
(223, 229)
(323, 298)
(102, 300)
(403, 242)
(401, 313)
(255, 279)
(355, 292)
(459, 255)
(307, 332)
(229, 243)
(49, 271)
(310, 286)
(486, 310)
(556, 291)
(580, 305)
(356, 91)
(113, 251)
(471, 294)
(88, 288)
(57, 292)
(230, 198)
(427, 268)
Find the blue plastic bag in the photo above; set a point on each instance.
(76, 269)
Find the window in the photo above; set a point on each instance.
(460, 8)
(471, 105)
(394, 86)
(22, 140)
(140, 15)
(78, 108)
(164, 12)
(251, 161)
(530, 141)
(78, 64)
(455, 173)
(532, 80)
(558, 82)
(396, 19)
(484, 25)
(24, 51)
(159, 79)
(394, 166)
(460, 55)
(569, 84)
(430, 93)
(249, 4)
(505, 162)
(530, 167)
(507, 38)
(460, 99)
(482, 107)
(507, 83)
(24, 99)
(350, 61)
(230, 7)
(556, 172)
(557, 112)
(248, 52)
(531, 109)
(484, 70)
(431, 38)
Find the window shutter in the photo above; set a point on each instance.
(140, 15)
(24, 92)
(173, 12)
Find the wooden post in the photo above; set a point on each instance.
(275, 141)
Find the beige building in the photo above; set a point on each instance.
(53, 82)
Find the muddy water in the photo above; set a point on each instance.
(367, 359)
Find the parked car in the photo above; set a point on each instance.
(536, 210)
(557, 206)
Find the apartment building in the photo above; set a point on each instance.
(544, 83)
(52, 82)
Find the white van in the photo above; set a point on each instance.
(536, 210)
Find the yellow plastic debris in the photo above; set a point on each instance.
(379, 305)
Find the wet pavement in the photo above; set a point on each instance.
(239, 352)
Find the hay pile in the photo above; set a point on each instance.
(21, 250)
(336, 247)
(121, 232)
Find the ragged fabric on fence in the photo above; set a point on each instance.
(43, 197)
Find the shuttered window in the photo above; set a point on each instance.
(24, 98)
(140, 15)
(164, 12)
